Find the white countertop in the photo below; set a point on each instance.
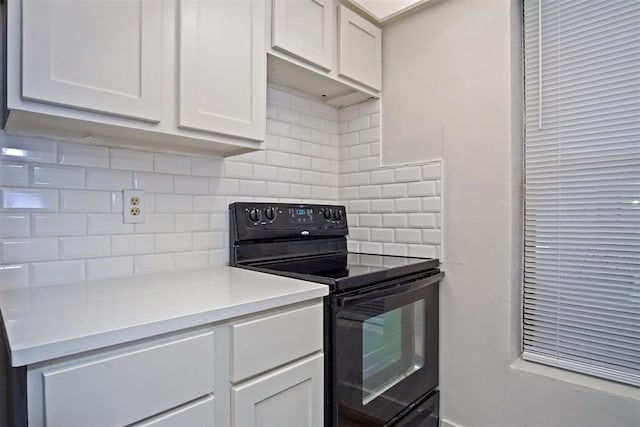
(47, 322)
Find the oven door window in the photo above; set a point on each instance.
(392, 348)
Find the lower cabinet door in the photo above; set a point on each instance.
(291, 396)
(196, 414)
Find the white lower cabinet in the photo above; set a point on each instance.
(291, 396)
(264, 369)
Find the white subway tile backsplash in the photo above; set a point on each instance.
(382, 206)
(289, 145)
(57, 176)
(14, 225)
(108, 224)
(407, 174)
(192, 222)
(394, 220)
(370, 220)
(431, 236)
(278, 189)
(191, 260)
(422, 220)
(208, 240)
(300, 191)
(371, 247)
(29, 250)
(85, 247)
(85, 201)
(187, 197)
(131, 160)
(408, 205)
(49, 273)
(431, 171)
(170, 163)
(369, 163)
(300, 132)
(108, 268)
(14, 199)
(174, 203)
(394, 190)
(424, 188)
(191, 185)
(14, 174)
(395, 249)
(382, 235)
(370, 192)
(152, 182)
(255, 188)
(59, 224)
(156, 263)
(383, 176)
(83, 155)
(105, 179)
(206, 167)
(157, 223)
(238, 169)
(130, 244)
(174, 242)
(275, 127)
(27, 149)
(14, 276)
(423, 251)
(408, 236)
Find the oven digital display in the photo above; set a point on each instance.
(300, 215)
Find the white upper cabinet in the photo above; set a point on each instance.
(304, 29)
(102, 56)
(176, 75)
(222, 77)
(359, 49)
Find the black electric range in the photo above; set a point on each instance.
(381, 316)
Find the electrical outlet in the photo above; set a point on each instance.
(133, 208)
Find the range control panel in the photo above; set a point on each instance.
(252, 221)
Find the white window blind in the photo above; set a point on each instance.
(582, 186)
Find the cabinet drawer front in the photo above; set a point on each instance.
(196, 414)
(130, 386)
(262, 344)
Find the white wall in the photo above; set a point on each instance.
(465, 76)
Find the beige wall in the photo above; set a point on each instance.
(456, 67)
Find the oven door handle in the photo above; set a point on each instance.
(391, 290)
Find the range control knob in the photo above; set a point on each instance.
(270, 213)
(337, 215)
(328, 214)
(254, 215)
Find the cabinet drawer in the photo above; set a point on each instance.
(265, 343)
(129, 386)
(196, 414)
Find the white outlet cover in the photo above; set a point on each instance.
(127, 196)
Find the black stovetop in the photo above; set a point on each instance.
(346, 271)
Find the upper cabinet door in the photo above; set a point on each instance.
(223, 67)
(305, 29)
(360, 49)
(100, 55)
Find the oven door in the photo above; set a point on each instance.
(386, 349)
